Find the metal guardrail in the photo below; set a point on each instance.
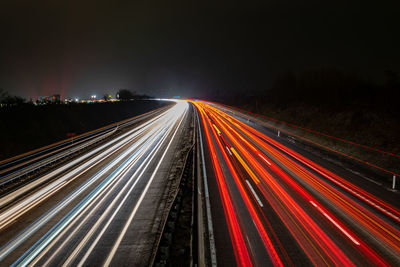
(49, 148)
(388, 177)
(161, 250)
(165, 240)
(207, 255)
(67, 151)
(43, 163)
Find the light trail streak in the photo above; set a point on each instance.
(238, 243)
(363, 216)
(99, 201)
(146, 140)
(368, 251)
(117, 143)
(37, 153)
(368, 198)
(17, 210)
(39, 223)
(260, 183)
(249, 146)
(178, 113)
(354, 240)
(265, 238)
(387, 209)
(247, 168)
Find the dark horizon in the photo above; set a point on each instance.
(280, 146)
(187, 48)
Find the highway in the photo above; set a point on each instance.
(102, 207)
(266, 201)
(272, 204)
(28, 163)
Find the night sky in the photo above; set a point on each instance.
(188, 48)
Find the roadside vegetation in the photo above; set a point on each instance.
(26, 127)
(10, 100)
(338, 104)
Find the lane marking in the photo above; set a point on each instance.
(254, 193)
(331, 178)
(117, 142)
(213, 252)
(32, 252)
(335, 223)
(32, 228)
(144, 192)
(106, 213)
(261, 156)
(89, 210)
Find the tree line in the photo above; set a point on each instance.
(7, 99)
(10, 100)
(323, 88)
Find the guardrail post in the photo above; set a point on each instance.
(394, 182)
(279, 133)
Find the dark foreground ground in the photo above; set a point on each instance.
(27, 127)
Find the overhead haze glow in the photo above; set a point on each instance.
(187, 48)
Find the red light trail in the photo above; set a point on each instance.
(333, 221)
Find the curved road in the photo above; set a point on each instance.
(102, 208)
(268, 202)
(272, 205)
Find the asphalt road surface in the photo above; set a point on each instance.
(101, 208)
(270, 203)
(273, 204)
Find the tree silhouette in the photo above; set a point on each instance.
(9, 100)
(125, 94)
